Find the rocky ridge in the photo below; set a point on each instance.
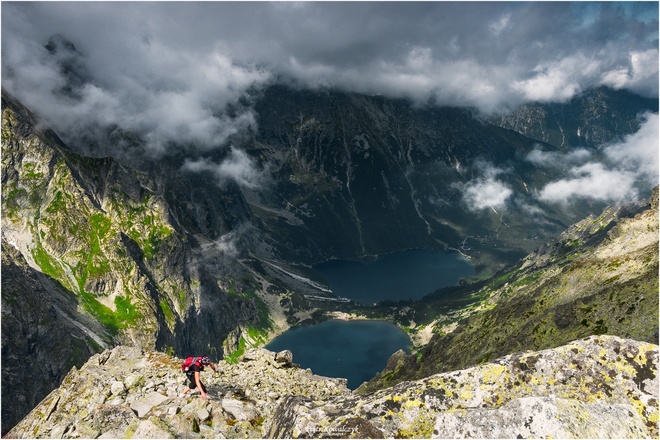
(597, 387)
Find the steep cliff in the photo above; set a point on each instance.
(599, 387)
(599, 277)
(590, 119)
(105, 243)
(43, 335)
(107, 234)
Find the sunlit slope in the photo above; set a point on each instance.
(598, 277)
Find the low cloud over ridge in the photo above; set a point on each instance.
(237, 167)
(625, 167)
(169, 70)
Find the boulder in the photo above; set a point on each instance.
(284, 358)
(547, 417)
(152, 428)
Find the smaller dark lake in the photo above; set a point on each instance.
(355, 350)
(398, 276)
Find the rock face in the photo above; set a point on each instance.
(43, 335)
(587, 119)
(100, 257)
(599, 387)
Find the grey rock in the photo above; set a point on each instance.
(203, 414)
(141, 408)
(284, 358)
(152, 428)
(547, 417)
(238, 409)
(117, 388)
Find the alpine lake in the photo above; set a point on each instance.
(358, 349)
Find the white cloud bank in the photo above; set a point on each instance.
(626, 166)
(616, 174)
(168, 71)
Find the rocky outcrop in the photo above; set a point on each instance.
(127, 393)
(598, 387)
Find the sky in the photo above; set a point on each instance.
(168, 70)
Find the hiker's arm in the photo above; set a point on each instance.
(198, 382)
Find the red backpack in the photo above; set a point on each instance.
(185, 366)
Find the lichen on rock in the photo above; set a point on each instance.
(597, 387)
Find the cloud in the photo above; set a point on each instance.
(485, 192)
(232, 244)
(553, 159)
(237, 167)
(625, 168)
(169, 71)
(638, 152)
(591, 181)
(166, 95)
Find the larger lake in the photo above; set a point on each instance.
(401, 275)
(355, 350)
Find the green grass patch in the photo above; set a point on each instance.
(125, 316)
(528, 279)
(30, 174)
(232, 358)
(11, 196)
(167, 312)
(103, 313)
(57, 204)
(46, 263)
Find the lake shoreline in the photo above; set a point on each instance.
(399, 276)
(355, 349)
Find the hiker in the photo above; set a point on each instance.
(192, 367)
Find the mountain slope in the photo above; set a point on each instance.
(43, 335)
(104, 234)
(590, 119)
(598, 277)
(357, 175)
(598, 387)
